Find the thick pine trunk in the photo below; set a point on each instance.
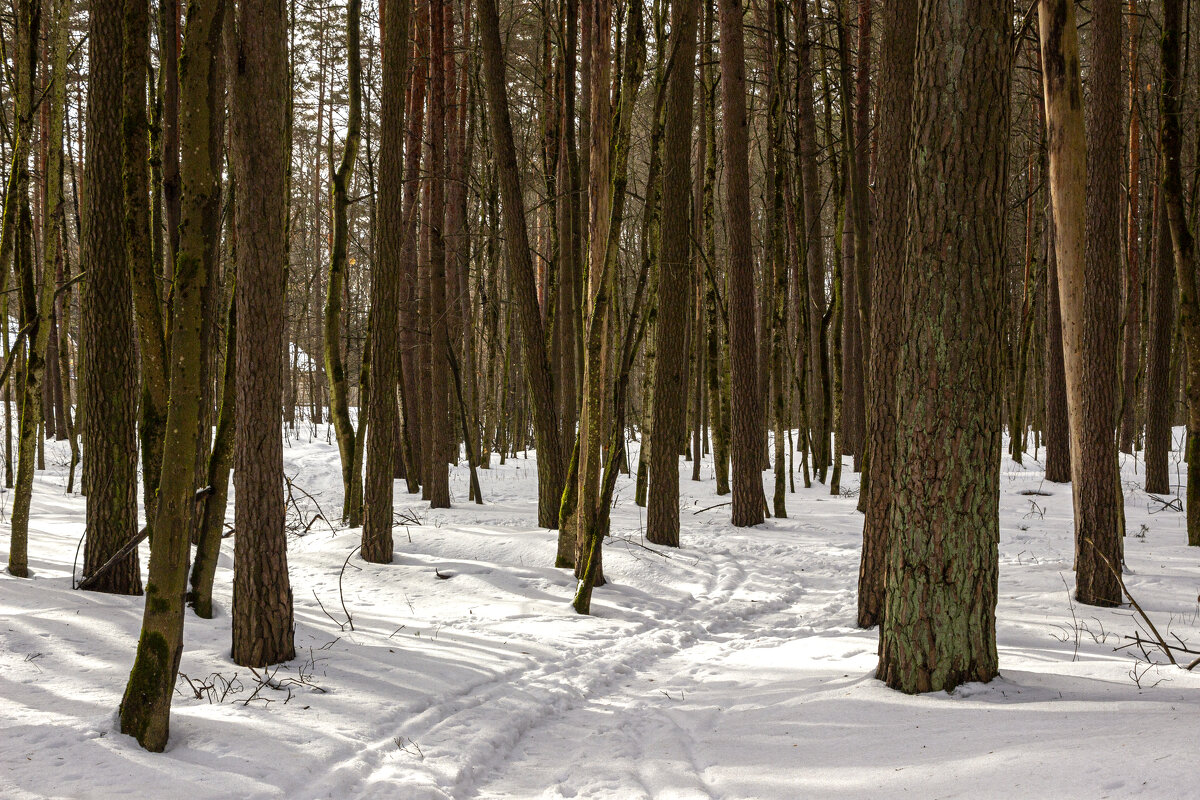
(262, 595)
(939, 624)
(382, 417)
(109, 374)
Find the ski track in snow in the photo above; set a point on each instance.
(729, 668)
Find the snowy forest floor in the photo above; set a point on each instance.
(729, 668)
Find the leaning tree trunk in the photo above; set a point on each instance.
(146, 706)
(939, 623)
(523, 286)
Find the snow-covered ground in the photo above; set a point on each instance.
(728, 668)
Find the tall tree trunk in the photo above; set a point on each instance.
(382, 418)
(675, 270)
(893, 150)
(262, 595)
(814, 246)
(410, 366)
(1161, 291)
(435, 324)
(939, 622)
(335, 367)
(1132, 341)
(109, 374)
(717, 356)
(747, 452)
(1086, 283)
(146, 706)
(1183, 244)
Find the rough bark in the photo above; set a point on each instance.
(1161, 291)
(747, 451)
(675, 270)
(887, 270)
(109, 373)
(1057, 434)
(382, 417)
(262, 595)
(939, 625)
(1087, 282)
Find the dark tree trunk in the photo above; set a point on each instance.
(382, 418)
(748, 498)
(1159, 403)
(893, 150)
(675, 272)
(262, 595)
(109, 374)
(551, 471)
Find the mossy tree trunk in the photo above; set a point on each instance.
(35, 312)
(335, 367)
(147, 300)
(146, 706)
(220, 463)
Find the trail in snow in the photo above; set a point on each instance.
(728, 668)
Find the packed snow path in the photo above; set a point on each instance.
(728, 668)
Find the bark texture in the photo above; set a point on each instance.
(939, 625)
(262, 595)
(746, 448)
(887, 271)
